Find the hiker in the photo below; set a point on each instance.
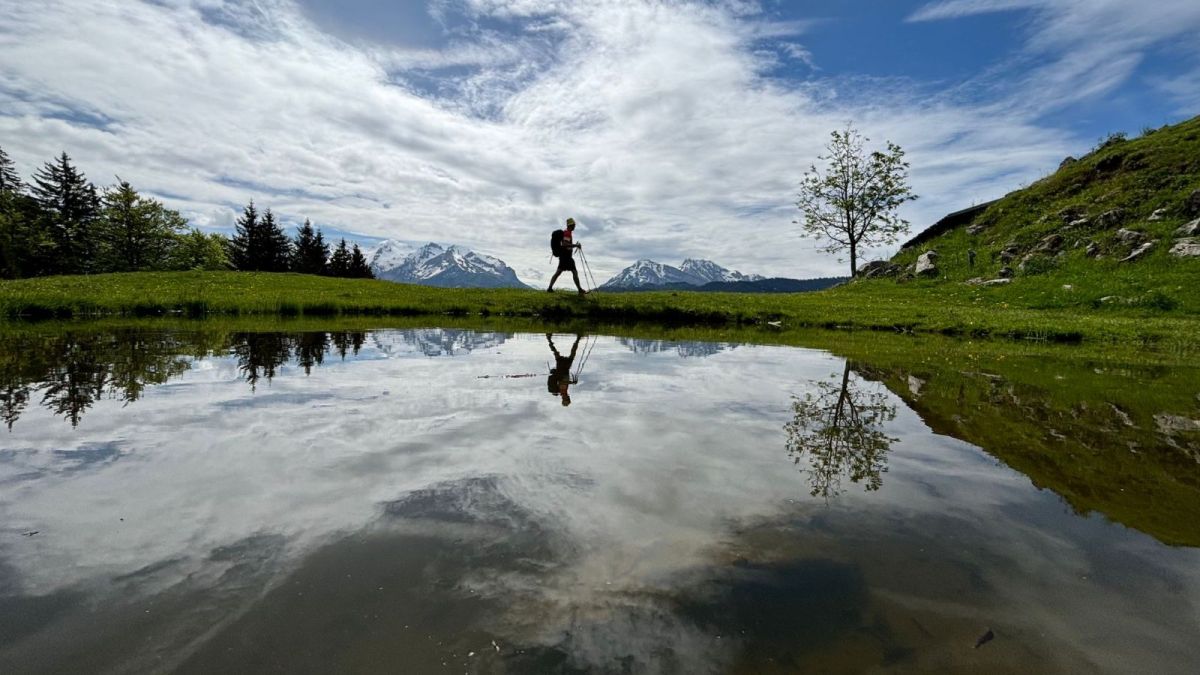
(560, 375)
(971, 258)
(563, 246)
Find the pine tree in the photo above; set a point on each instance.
(310, 254)
(277, 248)
(70, 207)
(9, 180)
(359, 269)
(135, 233)
(243, 245)
(339, 262)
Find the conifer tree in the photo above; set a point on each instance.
(243, 246)
(339, 262)
(20, 245)
(277, 248)
(310, 254)
(70, 208)
(9, 180)
(359, 268)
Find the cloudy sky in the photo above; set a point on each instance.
(669, 129)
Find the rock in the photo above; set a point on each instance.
(915, 384)
(1092, 250)
(1005, 272)
(974, 282)
(1158, 215)
(1189, 230)
(1068, 287)
(1192, 205)
(1139, 252)
(1110, 300)
(1079, 222)
(1067, 161)
(872, 266)
(1174, 423)
(927, 265)
(1006, 257)
(1186, 248)
(1050, 243)
(996, 282)
(1111, 218)
(976, 229)
(1130, 236)
(1071, 213)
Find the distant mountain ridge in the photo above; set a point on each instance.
(647, 273)
(772, 285)
(441, 265)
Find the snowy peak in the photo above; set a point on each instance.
(439, 265)
(711, 271)
(649, 273)
(645, 273)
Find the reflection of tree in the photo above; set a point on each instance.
(837, 430)
(73, 371)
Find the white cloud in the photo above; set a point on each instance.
(655, 124)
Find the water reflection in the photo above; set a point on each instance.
(838, 430)
(400, 510)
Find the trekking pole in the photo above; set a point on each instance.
(587, 269)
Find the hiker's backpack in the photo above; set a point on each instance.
(556, 238)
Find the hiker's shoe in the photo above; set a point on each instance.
(582, 293)
(549, 290)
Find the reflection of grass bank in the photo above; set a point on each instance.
(889, 307)
(1100, 425)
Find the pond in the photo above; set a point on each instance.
(437, 500)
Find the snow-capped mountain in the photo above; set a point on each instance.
(711, 271)
(644, 273)
(439, 265)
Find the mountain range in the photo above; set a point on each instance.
(440, 265)
(647, 273)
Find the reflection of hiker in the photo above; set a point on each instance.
(560, 375)
(562, 245)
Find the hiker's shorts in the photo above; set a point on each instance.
(566, 264)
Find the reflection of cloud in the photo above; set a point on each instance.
(619, 528)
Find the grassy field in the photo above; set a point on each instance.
(920, 307)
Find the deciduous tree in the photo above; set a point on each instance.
(852, 200)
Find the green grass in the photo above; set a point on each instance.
(919, 307)
(1138, 177)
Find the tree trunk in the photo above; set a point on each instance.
(853, 260)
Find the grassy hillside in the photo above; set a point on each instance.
(1086, 202)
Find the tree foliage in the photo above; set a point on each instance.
(310, 254)
(838, 432)
(70, 207)
(61, 224)
(852, 200)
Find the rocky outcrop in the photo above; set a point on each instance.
(1049, 244)
(1191, 229)
(1130, 236)
(1005, 272)
(1111, 218)
(1192, 205)
(1092, 250)
(877, 269)
(927, 265)
(1158, 215)
(1067, 161)
(975, 230)
(1188, 247)
(1140, 252)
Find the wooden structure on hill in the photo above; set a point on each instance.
(957, 219)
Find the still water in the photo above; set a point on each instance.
(414, 501)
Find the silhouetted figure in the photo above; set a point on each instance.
(971, 258)
(560, 375)
(563, 247)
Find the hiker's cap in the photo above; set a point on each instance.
(570, 221)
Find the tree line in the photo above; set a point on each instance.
(61, 223)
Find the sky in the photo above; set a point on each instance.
(667, 129)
